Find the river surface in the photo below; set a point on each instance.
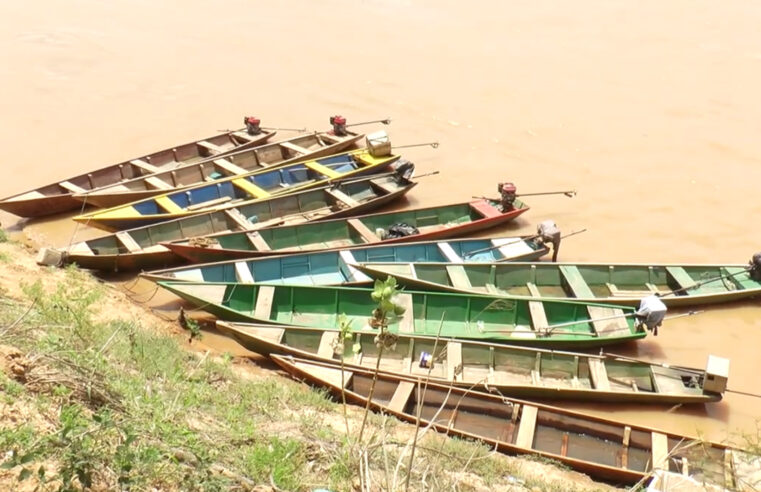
(650, 110)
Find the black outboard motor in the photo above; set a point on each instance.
(404, 168)
(507, 194)
(252, 125)
(755, 267)
(549, 233)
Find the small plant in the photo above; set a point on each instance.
(4, 236)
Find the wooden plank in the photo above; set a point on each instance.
(625, 449)
(229, 166)
(167, 204)
(208, 203)
(660, 450)
(294, 148)
(341, 196)
(607, 326)
(458, 277)
(258, 241)
(407, 323)
(454, 361)
(576, 282)
(242, 273)
(69, 186)
(449, 253)
(237, 217)
(388, 187)
(158, 183)
(128, 242)
(538, 316)
(250, 188)
(729, 472)
(599, 374)
(349, 260)
(327, 342)
(144, 165)
(533, 290)
(401, 396)
(325, 171)
(680, 276)
(564, 445)
(527, 427)
(486, 209)
(363, 231)
(215, 149)
(264, 298)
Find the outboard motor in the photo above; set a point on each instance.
(339, 125)
(651, 313)
(755, 267)
(252, 125)
(549, 233)
(507, 194)
(404, 168)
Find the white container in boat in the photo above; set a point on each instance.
(717, 373)
(378, 144)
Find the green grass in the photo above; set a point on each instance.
(132, 409)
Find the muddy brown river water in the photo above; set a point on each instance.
(651, 111)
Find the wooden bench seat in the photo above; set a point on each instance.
(486, 209)
(598, 374)
(258, 241)
(449, 253)
(454, 360)
(157, 183)
(71, 187)
(341, 196)
(128, 242)
(250, 188)
(660, 450)
(237, 217)
(576, 282)
(385, 185)
(167, 204)
(538, 316)
(527, 427)
(605, 327)
(208, 203)
(228, 166)
(458, 277)
(401, 396)
(325, 171)
(407, 323)
(242, 273)
(215, 149)
(264, 298)
(363, 231)
(144, 165)
(327, 342)
(348, 260)
(295, 148)
(681, 277)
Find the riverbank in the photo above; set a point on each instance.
(96, 391)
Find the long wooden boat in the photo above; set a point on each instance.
(678, 285)
(521, 372)
(221, 193)
(336, 267)
(140, 248)
(299, 148)
(432, 223)
(603, 448)
(547, 324)
(59, 197)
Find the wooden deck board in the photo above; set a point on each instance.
(242, 273)
(258, 241)
(71, 187)
(454, 361)
(527, 427)
(144, 165)
(327, 342)
(576, 282)
(609, 326)
(458, 277)
(363, 231)
(599, 374)
(660, 450)
(538, 316)
(158, 183)
(341, 196)
(681, 277)
(449, 253)
(229, 166)
(407, 323)
(401, 396)
(128, 242)
(264, 299)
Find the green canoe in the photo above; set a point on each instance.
(549, 324)
(679, 285)
(522, 372)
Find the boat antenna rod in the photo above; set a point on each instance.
(568, 193)
(476, 251)
(386, 121)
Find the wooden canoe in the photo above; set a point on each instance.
(679, 285)
(433, 223)
(222, 193)
(605, 449)
(336, 267)
(140, 248)
(546, 324)
(59, 197)
(521, 372)
(299, 148)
